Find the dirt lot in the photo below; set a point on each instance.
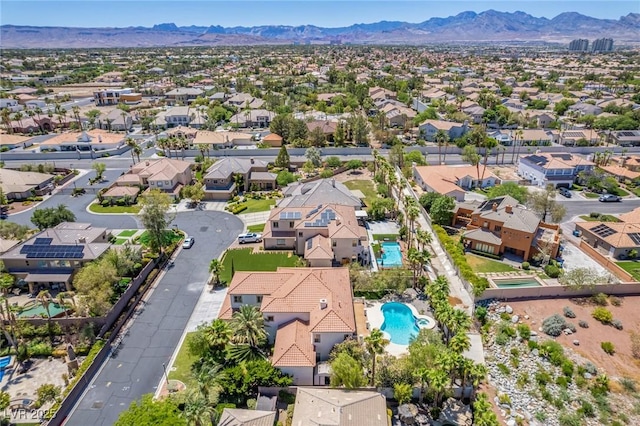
(621, 364)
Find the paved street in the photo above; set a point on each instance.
(154, 335)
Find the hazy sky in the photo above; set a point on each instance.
(100, 13)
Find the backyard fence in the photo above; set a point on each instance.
(624, 289)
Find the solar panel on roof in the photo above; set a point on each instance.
(627, 134)
(603, 231)
(635, 237)
(42, 241)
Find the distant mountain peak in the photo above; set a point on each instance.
(166, 27)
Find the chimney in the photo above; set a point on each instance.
(146, 163)
(82, 239)
(509, 209)
(494, 207)
(252, 161)
(323, 303)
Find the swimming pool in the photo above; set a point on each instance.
(516, 282)
(37, 310)
(4, 361)
(391, 255)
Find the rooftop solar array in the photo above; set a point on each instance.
(290, 215)
(627, 134)
(325, 217)
(574, 134)
(45, 251)
(314, 211)
(603, 231)
(42, 241)
(635, 237)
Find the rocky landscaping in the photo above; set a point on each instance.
(540, 382)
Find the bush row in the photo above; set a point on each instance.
(455, 250)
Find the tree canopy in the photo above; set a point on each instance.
(154, 217)
(146, 411)
(52, 216)
(508, 188)
(545, 205)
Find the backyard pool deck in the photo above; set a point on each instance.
(361, 318)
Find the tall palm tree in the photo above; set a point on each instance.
(247, 325)
(412, 214)
(488, 144)
(131, 143)
(218, 334)
(137, 151)
(215, 268)
(423, 237)
(38, 111)
(76, 115)
(375, 344)
(5, 113)
(442, 139)
(18, 116)
(460, 343)
(197, 409)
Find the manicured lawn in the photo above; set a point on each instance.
(247, 260)
(601, 218)
(128, 233)
(632, 267)
(482, 264)
(591, 195)
(385, 237)
(97, 208)
(120, 241)
(620, 192)
(181, 369)
(170, 237)
(255, 206)
(256, 228)
(367, 187)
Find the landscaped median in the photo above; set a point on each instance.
(100, 209)
(456, 252)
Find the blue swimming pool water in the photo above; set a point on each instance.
(391, 255)
(3, 363)
(399, 323)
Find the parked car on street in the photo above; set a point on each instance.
(565, 192)
(609, 198)
(188, 242)
(250, 237)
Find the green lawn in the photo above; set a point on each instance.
(170, 237)
(632, 267)
(255, 206)
(484, 265)
(256, 228)
(387, 237)
(247, 260)
(601, 218)
(620, 192)
(120, 241)
(367, 187)
(128, 233)
(97, 208)
(181, 368)
(591, 195)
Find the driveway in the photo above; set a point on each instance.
(136, 369)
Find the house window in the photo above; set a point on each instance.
(316, 338)
(237, 299)
(334, 244)
(166, 182)
(280, 242)
(275, 224)
(485, 248)
(299, 234)
(259, 299)
(485, 224)
(498, 228)
(291, 224)
(269, 318)
(354, 243)
(159, 183)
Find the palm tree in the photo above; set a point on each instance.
(123, 114)
(375, 344)
(519, 136)
(218, 334)
(247, 325)
(442, 138)
(215, 268)
(438, 382)
(423, 238)
(137, 151)
(489, 144)
(416, 259)
(460, 343)
(6, 282)
(460, 322)
(6, 119)
(131, 143)
(18, 116)
(197, 409)
(37, 110)
(76, 114)
(60, 300)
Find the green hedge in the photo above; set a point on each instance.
(456, 251)
(485, 254)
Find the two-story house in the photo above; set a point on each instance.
(307, 311)
(48, 259)
(252, 118)
(429, 128)
(500, 225)
(166, 174)
(113, 96)
(453, 181)
(323, 235)
(182, 95)
(221, 183)
(557, 169)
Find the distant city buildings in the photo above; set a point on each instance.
(599, 45)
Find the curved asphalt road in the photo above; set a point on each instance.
(136, 369)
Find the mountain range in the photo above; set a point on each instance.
(488, 26)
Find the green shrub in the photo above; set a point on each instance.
(526, 266)
(602, 314)
(524, 331)
(568, 312)
(552, 271)
(503, 369)
(615, 301)
(553, 325)
(481, 314)
(583, 324)
(542, 377)
(40, 349)
(562, 382)
(532, 344)
(600, 299)
(567, 419)
(608, 348)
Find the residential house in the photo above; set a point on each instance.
(543, 120)
(307, 311)
(48, 259)
(625, 168)
(244, 101)
(614, 239)
(557, 169)
(92, 140)
(230, 175)
(246, 417)
(378, 93)
(182, 95)
(339, 407)
(476, 113)
(117, 120)
(429, 128)
(453, 181)
(398, 115)
(321, 191)
(626, 137)
(324, 235)
(14, 141)
(583, 108)
(215, 140)
(328, 128)
(166, 174)
(252, 118)
(500, 225)
(19, 185)
(534, 137)
(273, 140)
(10, 104)
(110, 96)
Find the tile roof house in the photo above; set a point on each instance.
(452, 181)
(321, 191)
(323, 235)
(183, 95)
(307, 311)
(455, 130)
(49, 258)
(216, 140)
(253, 118)
(92, 140)
(19, 185)
(220, 184)
(614, 239)
(500, 225)
(117, 120)
(339, 407)
(558, 169)
(243, 417)
(166, 174)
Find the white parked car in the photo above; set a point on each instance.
(188, 242)
(250, 237)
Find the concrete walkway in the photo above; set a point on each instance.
(255, 218)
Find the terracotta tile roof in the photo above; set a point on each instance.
(631, 217)
(444, 179)
(318, 247)
(620, 171)
(621, 236)
(293, 347)
(338, 407)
